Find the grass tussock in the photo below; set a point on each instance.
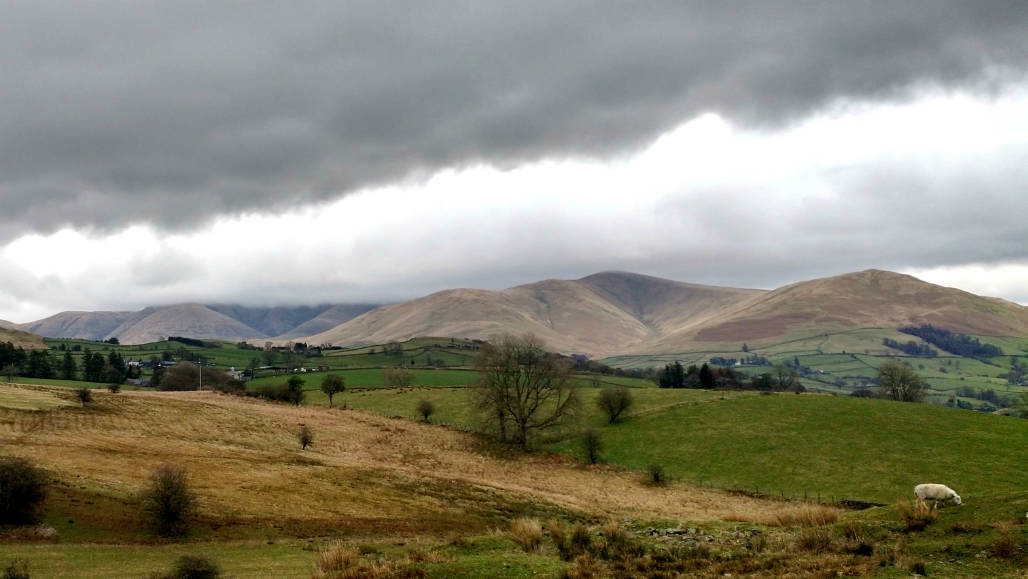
(571, 541)
(817, 540)
(915, 515)
(1008, 544)
(803, 515)
(348, 563)
(527, 533)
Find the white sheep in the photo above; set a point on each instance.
(935, 493)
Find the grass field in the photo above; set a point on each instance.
(369, 481)
(777, 443)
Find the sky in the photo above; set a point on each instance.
(271, 153)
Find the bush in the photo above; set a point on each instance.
(84, 395)
(114, 387)
(191, 567)
(592, 444)
(167, 501)
(614, 402)
(527, 533)
(426, 409)
(656, 476)
(22, 490)
(16, 569)
(305, 436)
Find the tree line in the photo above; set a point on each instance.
(959, 344)
(94, 367)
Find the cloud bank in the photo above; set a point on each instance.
(931, 184)
(181, 114)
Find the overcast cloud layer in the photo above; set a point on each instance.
(296, 153)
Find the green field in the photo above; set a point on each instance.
(798, 445)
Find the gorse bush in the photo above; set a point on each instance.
(22, 490)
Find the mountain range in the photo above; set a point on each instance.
(602, 314)
(625, 313)
(213, 322)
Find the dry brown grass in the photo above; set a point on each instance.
(916, 515)
(801, 515)
(366, 472)
(527, 533)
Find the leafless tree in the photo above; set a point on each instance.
(898, 381)
(522, 387)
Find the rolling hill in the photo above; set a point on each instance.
(211, 322)
(616, 312)
(21, 339)
(602, 313)
(866, 299)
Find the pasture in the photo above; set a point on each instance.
(441, 500)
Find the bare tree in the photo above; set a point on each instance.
(898, 381)
(397, 377)
(522, 386)
(614, 401)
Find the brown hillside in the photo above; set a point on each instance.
(192, 320)
(365, 473)
(21, 339)
(871, 298)
(597, 315)
(79, 325)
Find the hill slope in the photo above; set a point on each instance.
(617, 312)
(21, 339)
(210, 322)
(80, 325)
(598, 314)
(870, 299)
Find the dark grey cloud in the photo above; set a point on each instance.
(171, 112)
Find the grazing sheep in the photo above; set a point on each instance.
(935, 493)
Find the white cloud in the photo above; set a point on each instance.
(932, 186)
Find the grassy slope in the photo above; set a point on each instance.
(265, 503)
(870, 450)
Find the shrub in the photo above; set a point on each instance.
(22, 490)
(527, 533)
(192, 567)
(16, 569)
(114, 387)
(655, 475)
(84, 395)
(167, 501)
(592, 444)
(305, 436)
(426, 408)
(614, 402)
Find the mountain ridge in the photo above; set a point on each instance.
(624, 313)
